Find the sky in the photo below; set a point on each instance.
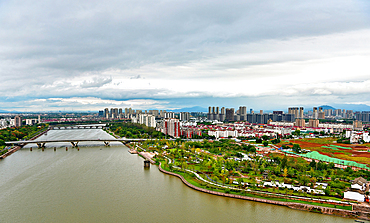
(146, 54)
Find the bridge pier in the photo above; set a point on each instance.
(106, 143)
(31, 149)
(55, 148)
(41, 145)
(146, 163)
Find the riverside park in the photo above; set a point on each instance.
(314, 172)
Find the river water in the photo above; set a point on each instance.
(108, 184)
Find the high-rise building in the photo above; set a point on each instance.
(115, 113)
(260, 118)
(321, 113)
(315, 114)
(313, 123)
(17, 121)
(148, 120)
(222, 115)
(209, 114)
(172, 127)
(106, 113)
(229, 114)
(184, 116)
(301, 111)
(289, 117)
(300, 122)
(251, 118)
(297, 112)
(243, 113)
(357, 125)
(111, 113)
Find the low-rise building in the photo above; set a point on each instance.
(358, 190)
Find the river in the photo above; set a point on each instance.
(108, 184)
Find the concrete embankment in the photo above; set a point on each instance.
(16, 148)
(317, 209)
(148, 156)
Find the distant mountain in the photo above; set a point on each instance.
(191, 109)
(326, 107)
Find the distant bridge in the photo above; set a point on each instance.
(92, 126)
(74, 142)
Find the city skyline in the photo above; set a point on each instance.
(85, 55)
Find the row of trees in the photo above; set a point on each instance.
(17, 133)
(134, 130)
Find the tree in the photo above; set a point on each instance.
(252, 149)
(297, 132)
(265, 143)
(275, 141)
(240, 182)
(170, 166)
(296, 148)
(265, 137)
(285, 174)
(284, 162)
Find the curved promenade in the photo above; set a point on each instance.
(313, 208)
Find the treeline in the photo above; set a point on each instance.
(17, 133)
(135, 130)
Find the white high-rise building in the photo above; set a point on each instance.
(148, 120)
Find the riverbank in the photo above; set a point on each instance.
(298, 206)
(16, 148)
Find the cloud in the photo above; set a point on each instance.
(184, 49)
(136, 77)
(96, 82)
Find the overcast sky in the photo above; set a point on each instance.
(265, 54)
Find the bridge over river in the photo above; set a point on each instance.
(87, 126)
(74, 142)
